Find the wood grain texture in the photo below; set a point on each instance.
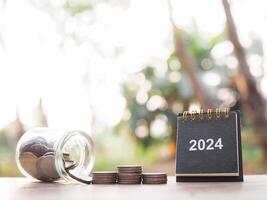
(254, 187)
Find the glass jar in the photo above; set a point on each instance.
(50, 155)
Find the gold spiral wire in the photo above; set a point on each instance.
(185, 113)
(193, 115)
(218, 113)
(209, 113)
(226, 112)
(201, 114)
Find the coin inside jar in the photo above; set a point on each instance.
(37, 140)
(46, 168)
(37, 157)
(28, 161)
(38, 149)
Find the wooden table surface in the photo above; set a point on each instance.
(254, 187)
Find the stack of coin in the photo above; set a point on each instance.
(104, 177)
(129, 174)
(37, 158)
(154, 178)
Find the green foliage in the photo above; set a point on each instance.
(77, 8)
(156, 96)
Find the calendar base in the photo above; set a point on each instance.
(210, 179)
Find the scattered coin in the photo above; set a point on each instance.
(28, 162)
(154, 178)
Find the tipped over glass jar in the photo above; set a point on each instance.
(50, 155)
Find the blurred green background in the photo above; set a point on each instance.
(122, 69)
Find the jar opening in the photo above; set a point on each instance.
(79, 147)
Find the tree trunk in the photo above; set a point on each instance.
(252, 99)
(189, 64)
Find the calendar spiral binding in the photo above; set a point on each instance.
(219, 113)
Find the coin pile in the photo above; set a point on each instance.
(129, 174)
(104, 177)
(154, 178)
(37, 157)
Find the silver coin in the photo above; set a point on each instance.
(37, 140)
(38, 149)
(28, 161)
(46, 168)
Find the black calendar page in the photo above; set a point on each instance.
(208, 147)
